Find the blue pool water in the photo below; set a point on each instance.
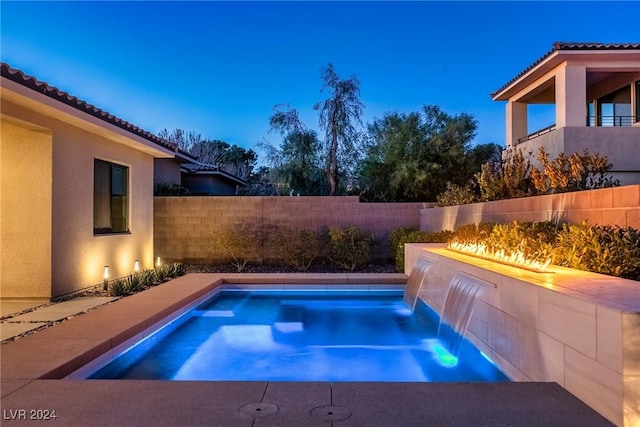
(301, 336)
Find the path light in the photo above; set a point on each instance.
(105, 283)
(158, 263)
(136, 266)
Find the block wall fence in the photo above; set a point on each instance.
(613, 206)
(183, 225)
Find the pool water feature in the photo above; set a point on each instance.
(301, 336)
(417, 279)
(457, 310)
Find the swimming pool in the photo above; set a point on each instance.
(301, 336)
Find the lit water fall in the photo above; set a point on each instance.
(457, 310)
(416, 279)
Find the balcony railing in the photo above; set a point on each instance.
(612, 120)
(537, 133)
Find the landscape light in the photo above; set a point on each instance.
(136, 266)
(105, 283)
(158, 263)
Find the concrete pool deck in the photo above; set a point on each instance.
(34, 375)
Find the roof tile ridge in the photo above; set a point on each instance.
(46, 89)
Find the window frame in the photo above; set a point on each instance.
(109, 198)
(637, 101)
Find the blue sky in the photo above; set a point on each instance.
(218, 68)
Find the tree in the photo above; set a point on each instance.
(259, 184)
(231, 158)
(412, 157)
(340, 116)
(296, 163)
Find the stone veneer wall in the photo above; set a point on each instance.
(613, 206)
(579, 329)
(183, 225)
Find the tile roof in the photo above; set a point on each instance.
(206, 167)
(52, 92)
(558, 46)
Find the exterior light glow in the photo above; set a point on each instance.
(105, 283)
(158, 263)
(514, 259)
(136, 266)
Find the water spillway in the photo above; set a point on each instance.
(458, 304)
(457, 310)
(417, 279)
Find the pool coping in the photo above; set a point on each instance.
(56, 352)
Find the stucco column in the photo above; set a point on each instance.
(516, 122)
(571, 96)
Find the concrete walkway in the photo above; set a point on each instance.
(14, 325)
(11, 307)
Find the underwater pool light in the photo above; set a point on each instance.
(440, 354)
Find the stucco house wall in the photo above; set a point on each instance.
(212, 185)
(621, 145)
(581, 81)
(47, 243)
(77, 256)
(25, 210)
(167, 171)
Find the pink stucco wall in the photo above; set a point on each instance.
(183, 225)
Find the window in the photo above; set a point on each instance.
(110, 198)
(614, 109)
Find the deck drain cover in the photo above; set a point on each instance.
(258, 409)
(331, 413)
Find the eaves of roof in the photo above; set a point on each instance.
(564, 46)
(184, 155)
(207, 169)
(44, 88)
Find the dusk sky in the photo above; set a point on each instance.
(218, 68)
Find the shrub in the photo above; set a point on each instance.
(506, 179)
(397, 239)
(601, 249)
(534, 240)
(400, 236)
(572, 173)
(472, 233)
(141, 280)
(242, 242)
(160, 274)
(175, 269)
(350, 246)
(296, 248)
(163, 273)
(148, 276)
(168, 189)
(118, 288)
(135, 283)
(456, 195)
